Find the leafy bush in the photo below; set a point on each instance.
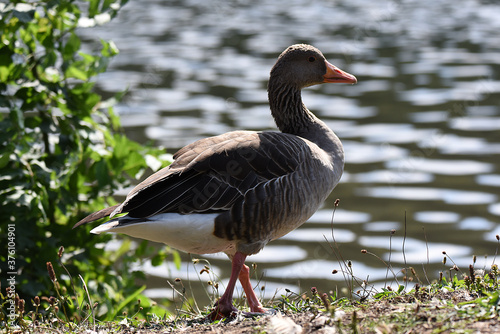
(62, 156)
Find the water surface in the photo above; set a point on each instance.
(420, 129)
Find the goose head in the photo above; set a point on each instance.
(302, 65)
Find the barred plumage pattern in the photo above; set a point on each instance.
(262, 185)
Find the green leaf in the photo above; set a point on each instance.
(109, 49)
(77, 71)
(5, 63)
(131, 298)
(177, 259)
(87, 58)
(106, 4)
(114, 118)
(71, 47)
(94, 8)
(102, 173)
(18, 118)
(4, 160)
(50, 74)
(4, 73)
(156, 260)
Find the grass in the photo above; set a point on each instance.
(459, 302)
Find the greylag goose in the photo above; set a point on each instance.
(235, 192)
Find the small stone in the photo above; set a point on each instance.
(282, 325)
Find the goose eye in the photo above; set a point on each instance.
(311, 59)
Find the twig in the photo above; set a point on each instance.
(428, 261)
(404, 253)
(389, 266)
(496, 250)
(338, 254)
(90, 300)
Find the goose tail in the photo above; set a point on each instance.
(97, 215)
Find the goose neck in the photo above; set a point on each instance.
(290, 114)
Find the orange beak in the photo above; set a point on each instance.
(335, 74)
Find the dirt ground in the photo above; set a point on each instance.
(448, 312)
(306, 323)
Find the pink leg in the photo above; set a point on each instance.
(224, 306)
(253, 301)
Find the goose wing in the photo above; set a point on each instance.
(211, 174)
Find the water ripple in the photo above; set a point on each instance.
(381, 226)
(187, 270)
(362, 153)
(450, 196)
(494, 209)
(342, 216)
(436, 217)
(391, 177)
(453, 144)
(270, 254)
(476, 223)
(441, 167)
(323, 269)
(476, 123)
(319, 234)
(492, 180)
(415, 251)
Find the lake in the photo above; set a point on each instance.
(421, 129)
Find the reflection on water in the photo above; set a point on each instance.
(415, 250)
(322, 269)
(319, 235)
(420, 129)
(271, 254)
(449, 196)
(436, 217)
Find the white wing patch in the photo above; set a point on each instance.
(191, 233)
